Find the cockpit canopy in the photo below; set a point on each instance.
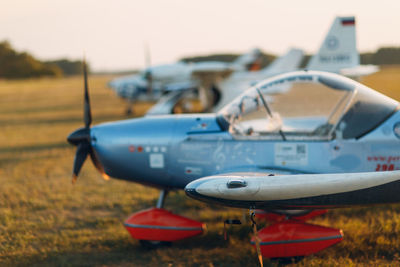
(307, 105)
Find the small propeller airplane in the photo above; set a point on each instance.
(172, 81)
(234, 84)
(320, 144)
(337, 53)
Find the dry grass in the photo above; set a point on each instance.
(46, 221)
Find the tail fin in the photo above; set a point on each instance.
(288, 62)
(244, 61)
(339, 48)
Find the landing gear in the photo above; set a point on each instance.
(216, 95)
(157, 226)
(129, 107)
(151, 244)
(161, 199)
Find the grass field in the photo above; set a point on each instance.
(46, 221)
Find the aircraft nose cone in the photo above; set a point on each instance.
(78, 136)
(191, 189)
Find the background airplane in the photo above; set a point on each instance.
(322, 123)
(240, 80)
(338, 52)
(219, 83)
(156, 81)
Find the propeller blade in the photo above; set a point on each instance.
(81, 137)
(147, 56)
(97, 164)
(87, 115)
(149, 78)
(80, 157)
(149, 75)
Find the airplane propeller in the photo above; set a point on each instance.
(82, 138)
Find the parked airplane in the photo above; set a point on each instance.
(274, 152)
(236, 83)
(338, 52)
(156, 81)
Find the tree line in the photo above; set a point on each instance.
(17, 65)
(383, 56)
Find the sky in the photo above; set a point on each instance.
(113, 34)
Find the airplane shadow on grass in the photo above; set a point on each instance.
(10, 154)
(34, 148)
(109, 252)
(40, 109)
(120, 252)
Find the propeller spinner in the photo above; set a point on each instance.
(82, 138)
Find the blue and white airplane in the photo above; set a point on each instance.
(322, 143)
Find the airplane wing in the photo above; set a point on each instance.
(300, 191)
(360, 70)
(211, 71)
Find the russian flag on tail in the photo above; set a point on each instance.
(348, 21)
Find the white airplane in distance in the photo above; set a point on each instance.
(154, 82)
(338, 52)
(238, 81)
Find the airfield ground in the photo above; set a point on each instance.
(46, 221)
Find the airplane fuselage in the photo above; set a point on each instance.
(171, 151)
